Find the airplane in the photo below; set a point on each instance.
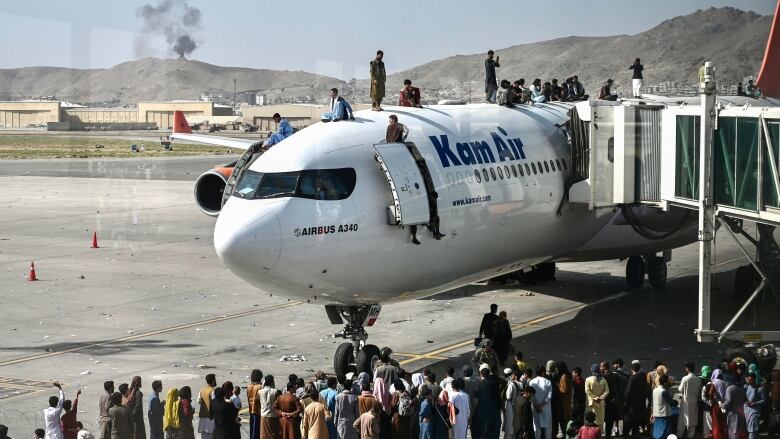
(334, 215)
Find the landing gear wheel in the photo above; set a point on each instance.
(742, 355)
(366, 359)
(344, 360)
(656, 271)
(635, 271)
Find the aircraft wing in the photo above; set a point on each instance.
(182, 131)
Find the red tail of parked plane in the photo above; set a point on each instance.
(180, 124)
(769, 77)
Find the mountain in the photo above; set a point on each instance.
(732, 39)
(672, 51)
(151, 79)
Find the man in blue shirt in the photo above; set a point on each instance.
(339, 108)
(284, 131)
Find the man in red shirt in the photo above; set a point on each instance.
(409, 96)
(69, 427)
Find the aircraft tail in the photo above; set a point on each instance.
(769, 77)
(180, 124)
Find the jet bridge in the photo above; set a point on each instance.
(719, 156)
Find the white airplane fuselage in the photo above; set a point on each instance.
(345, 252)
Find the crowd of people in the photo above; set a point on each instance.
(494, 395)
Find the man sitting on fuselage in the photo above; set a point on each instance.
(339, 108)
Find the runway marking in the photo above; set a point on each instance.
(150, 333)
(11, 387)
(420, 356)
(435, 353)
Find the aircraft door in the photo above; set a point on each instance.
(407, 185)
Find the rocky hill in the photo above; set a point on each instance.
(672, 51)
(151, 79)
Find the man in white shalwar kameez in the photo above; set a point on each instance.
(690, 391)
(462, 403)
(512, 392)
(541, 404)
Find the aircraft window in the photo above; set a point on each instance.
(514, 170)
(501, 173)
(247, 185)
(485, 174)
(558, 162)
(539, 166)
(275, 185)
(506, 171)
(323, 184)
(552, 165)
(546, 167)
(327, 184)
(493, 174)
(564, 163)
(478, 176)
(527, 170)
(520, 169)
(533, 166)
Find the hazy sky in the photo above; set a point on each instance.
(335, 38)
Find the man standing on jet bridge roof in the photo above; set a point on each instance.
(282, 132)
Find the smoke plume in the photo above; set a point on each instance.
(175, 20)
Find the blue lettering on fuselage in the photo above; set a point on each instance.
(478, 151)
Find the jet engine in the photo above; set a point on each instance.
(209, 188)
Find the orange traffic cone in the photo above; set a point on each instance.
(32, 276)
(94, 240)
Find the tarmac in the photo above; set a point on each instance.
(153, 300)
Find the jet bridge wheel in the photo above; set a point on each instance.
(656, 271)
(635, 271)
(344, 360)
(367, 358)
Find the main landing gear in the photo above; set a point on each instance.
(652, 265)
(354, 356)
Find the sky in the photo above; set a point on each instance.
(336, 38)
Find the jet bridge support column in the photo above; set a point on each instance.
(704, 333)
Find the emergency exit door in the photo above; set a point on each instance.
(410, 197)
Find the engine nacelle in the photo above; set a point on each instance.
(210, 187)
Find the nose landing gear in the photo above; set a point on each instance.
(354, 356)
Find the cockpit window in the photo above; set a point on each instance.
(320, 184)
(247, 185)
(277, 185)
(326, 184)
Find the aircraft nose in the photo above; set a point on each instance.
(247, 238)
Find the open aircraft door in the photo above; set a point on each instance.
(414, 195)
(410, 195)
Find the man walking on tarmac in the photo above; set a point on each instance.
(486, 327)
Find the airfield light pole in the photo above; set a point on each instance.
(235, 102)
(704, 333)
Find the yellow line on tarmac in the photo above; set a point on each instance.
(149, 334)
(434, 354)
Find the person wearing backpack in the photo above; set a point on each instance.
(401, 409)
